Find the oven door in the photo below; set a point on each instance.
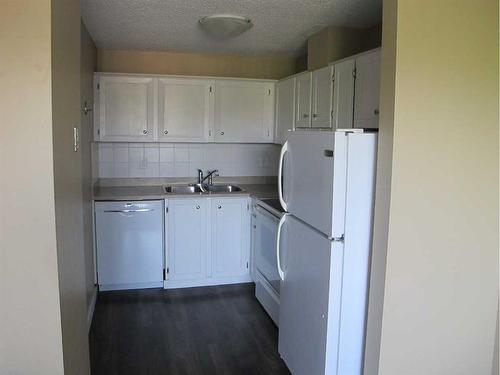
(266, 229)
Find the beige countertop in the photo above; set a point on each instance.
(146, 192)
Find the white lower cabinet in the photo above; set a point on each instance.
(230, 237)
(187, 238)
(207, 241)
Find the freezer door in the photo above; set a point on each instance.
(310, 300)
(314, 179)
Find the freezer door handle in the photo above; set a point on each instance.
(284, 149)
(278, 238)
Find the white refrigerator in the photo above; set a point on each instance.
(326, 185)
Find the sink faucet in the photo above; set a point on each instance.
(209, 176)
(200, 176)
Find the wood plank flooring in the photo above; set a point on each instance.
(213, 330)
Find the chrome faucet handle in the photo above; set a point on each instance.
(200, 176)
(210, 175)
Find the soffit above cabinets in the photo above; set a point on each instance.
(280, 26)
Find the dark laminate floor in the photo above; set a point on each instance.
(214, 330)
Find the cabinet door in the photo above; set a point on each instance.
(244, 111)
(230, 237)
(366, 97)
(303, 101)
(185, 110)
(322, 98)
(343, 94)
(187, 239)
(126, 109)
(285, 98)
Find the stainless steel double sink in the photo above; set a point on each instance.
(201, 189)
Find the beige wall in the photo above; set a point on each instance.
(30, 326)
(88, 67)
(196, 64)
(441, 284)
(68, 184)
(334, 43)
(383, 189)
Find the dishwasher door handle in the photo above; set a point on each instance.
(131, 211)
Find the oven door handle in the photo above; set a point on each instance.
(278, 238)
(266, 213)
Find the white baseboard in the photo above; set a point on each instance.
(174, 284)
(91, 308)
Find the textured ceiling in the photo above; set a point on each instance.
(280, 26)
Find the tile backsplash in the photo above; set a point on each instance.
(122, 160)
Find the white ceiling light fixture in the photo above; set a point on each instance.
(225, 25)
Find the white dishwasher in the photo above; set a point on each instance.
(129, 244)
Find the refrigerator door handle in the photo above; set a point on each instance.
(278, 238)
(284, 149)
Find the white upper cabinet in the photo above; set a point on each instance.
(244, 111)
(230, 237)
(321, 98)
(125, 109)
(185, 110)
(303, 100)
(187, 238)
(343, 94)
(285, 98)
(366, 97)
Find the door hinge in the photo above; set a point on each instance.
(164, 276)
(333, 77)
(354, 71)
(331, 114)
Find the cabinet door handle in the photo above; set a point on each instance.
(165, 132)
(219, 207)
(376, 112)
(315, 115)
(306, 115)
(197, 206)
(144, 131)
(221, 133)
